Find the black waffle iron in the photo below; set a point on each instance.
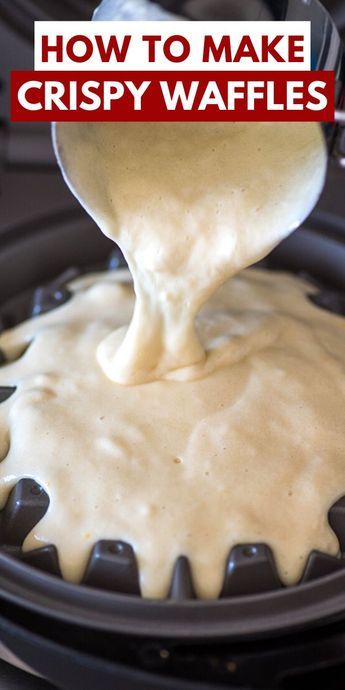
(102, 634)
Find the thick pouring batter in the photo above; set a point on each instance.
(187, 431)
(190, 204)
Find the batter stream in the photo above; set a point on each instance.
(203, 412)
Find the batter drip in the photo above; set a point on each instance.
(190, 205)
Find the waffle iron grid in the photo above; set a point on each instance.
(112, 565)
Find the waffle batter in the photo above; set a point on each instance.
(190, 205)
(192, 429)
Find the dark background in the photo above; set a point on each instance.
(31, 187)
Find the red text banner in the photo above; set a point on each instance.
(43, 96)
